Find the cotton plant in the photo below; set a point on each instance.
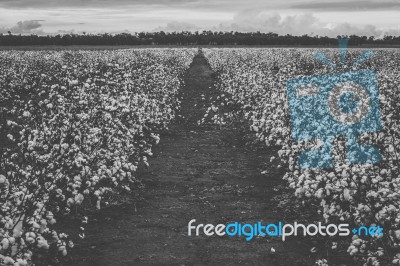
(77, 125)
(255, 80)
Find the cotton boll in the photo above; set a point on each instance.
(42, 243)
(5, 243)
(3, 179)
(8, 260)
(346, 194)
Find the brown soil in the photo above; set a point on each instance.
(197, 172)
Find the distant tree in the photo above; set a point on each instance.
(190, 38)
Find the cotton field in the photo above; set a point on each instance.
(358, 194)
(74, 126)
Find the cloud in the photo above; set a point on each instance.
(299, 24)
(235, 5)
(195, 15)
(325, 17)
(178, 26)
(264, 21)
(24, 27)
(89, 3)
(131, 5)
(348, 5)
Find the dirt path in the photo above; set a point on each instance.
(200, 173)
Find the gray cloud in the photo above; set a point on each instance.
(87, 3)
(24, 27)
(295, 17)
(178, 26)
(348, 5)
(330, 5)
(264, 21)
(261, 20)
(307, 23)
(209, 5)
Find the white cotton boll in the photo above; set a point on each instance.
(63, 250)
(5, 243)
(397, 234)
(391, 148)
(70, 202)
(3, 179)
(26, 114)
(10, 137)
(346, 194)
(22, 262)
(331, 175)
(345, 174)
(79, 199)
(8, 261)
(42, 243)
(319, 193)
(357, 242)
(98, 206)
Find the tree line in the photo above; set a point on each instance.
(192, 38)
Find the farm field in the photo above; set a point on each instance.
(359, 194)
(107, 155)
(197, 172)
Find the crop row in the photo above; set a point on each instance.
(74, 126)
(358, 194)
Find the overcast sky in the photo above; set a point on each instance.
(324, 17)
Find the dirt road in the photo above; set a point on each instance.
(197, 172)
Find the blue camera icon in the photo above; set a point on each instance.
(339, 104)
